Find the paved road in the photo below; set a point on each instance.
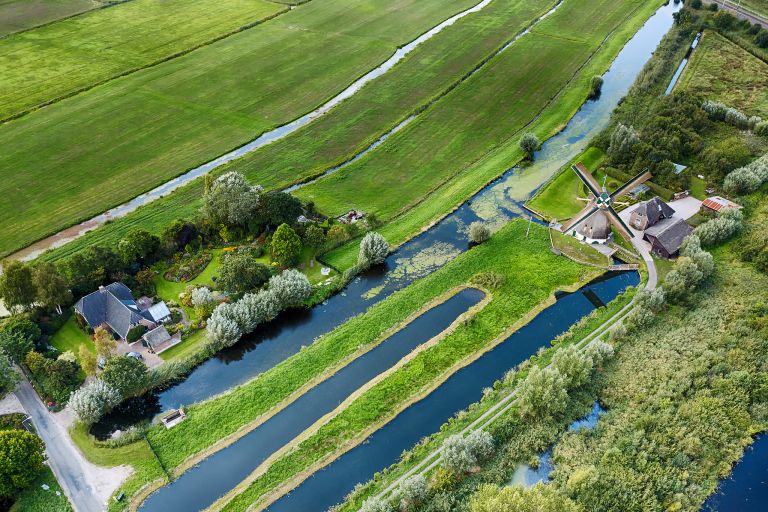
(63, 457)
(740, 12)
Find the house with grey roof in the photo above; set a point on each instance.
(114, 307)
(649, 213)
(666, 236)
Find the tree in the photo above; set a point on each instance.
(652, 300)
(461, 454)
(373, 249)
(51, 289)
(223, 330)
(231, 200)
(21, 460)
(623, 140)
(478, 233)
(139, 246)
(178, 235)
(375, 505)
(529, 143)
(543, 393)
(15, 346)
(87, 360)
(290, 289)
(279, 208)
(16, 287)
(257, 308)
(93, 401)
(491, 498)
(106, 346)
(574, 365)
(9, 377)
(682, 280)
(599, 352)
(23, 327)
(750, 177)
(314, 237)
(286, 246)
(203, 301)
(727, 223)
(413, 492)
(145, 282)
(240, 273)
(125, 374)
(691, 248)
(595, 86)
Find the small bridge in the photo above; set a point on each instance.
(625, 266)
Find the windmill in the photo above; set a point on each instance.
(601, 201)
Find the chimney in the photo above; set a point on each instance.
(102, 289)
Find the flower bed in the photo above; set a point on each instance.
(187, 267)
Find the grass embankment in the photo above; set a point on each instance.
(17, 15)
(36, 499)
(557, 198)
(423, 75)
(106, 43)
(552, 118)
(577, 251)
(524, 262)
(78, 157)
(723, 71)
(532, 271)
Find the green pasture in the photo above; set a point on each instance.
(77, 157)
(722, 71)
(557, 198)
(537, 273)
(426, 74)
(551, 119)
(17, 15)
(59, 59)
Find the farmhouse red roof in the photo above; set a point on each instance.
(717, 203)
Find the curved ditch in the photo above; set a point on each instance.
(199, 486)
(495, 204)
(73, 232)
(331, 484)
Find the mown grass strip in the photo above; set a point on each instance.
(52, 62)
(450, 194)
(524, 262)
(424, 76)
(80, 156)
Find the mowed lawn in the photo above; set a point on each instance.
(722, 71)
(423, 76)
(47, 63)
(16, 15)
(77, 157)
(491, 108)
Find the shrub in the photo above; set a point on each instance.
(15, 346)
(461, 454)
(595, 86)
(761, 128)
(222, 329)
(376, 505)
(529, 143)
(135, 333)
(489, 280)
(696, 4)
(9, 377)
(623, 139)
(543, 393)
(21, 460)
(478, 233)
(92, 401)
(748, 178)
(240, 273)
(413, 492)
(373, 249)
(286, 245)
(23, 327)
(290, 289)
(682, 280)
(727, 223)
(652, 300)
(575, 366)
(761, 39)
(599, 352)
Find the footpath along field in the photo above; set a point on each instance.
(60, 59)
(79, 156)
(17, 15)
(423, 76)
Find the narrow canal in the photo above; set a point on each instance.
(495, 204)
(203, 484)
(329, 486)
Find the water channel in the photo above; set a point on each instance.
(746, 489)
(200, 486)
(495, 204)
(329, 485)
